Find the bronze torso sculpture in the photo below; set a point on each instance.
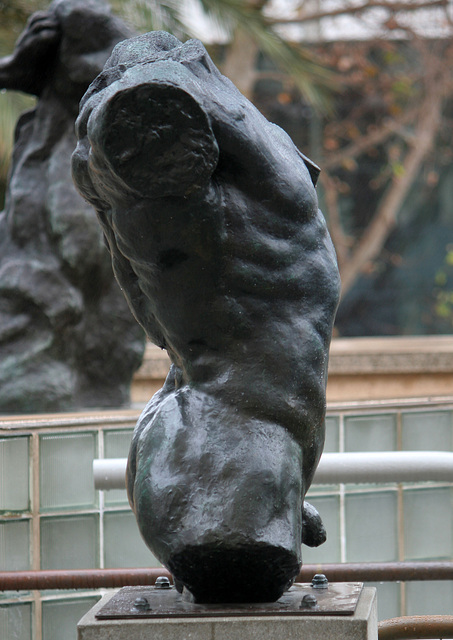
(67, 337)
(211, 216)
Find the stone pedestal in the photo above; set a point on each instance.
(361, 625)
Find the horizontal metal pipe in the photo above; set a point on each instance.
(110, 578)
(333, 468)
(385, 466)
(416, 627)
(110, 473)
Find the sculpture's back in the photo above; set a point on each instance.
(211, 217)
(67, 338)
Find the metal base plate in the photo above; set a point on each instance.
(338, 599)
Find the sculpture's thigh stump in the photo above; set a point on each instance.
(218, 497)
(362, 625)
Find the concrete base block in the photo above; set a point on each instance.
(362, 625)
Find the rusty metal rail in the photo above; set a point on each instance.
(113, 578)
(415, 627)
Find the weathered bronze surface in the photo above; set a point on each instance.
(212, 221)
(67, 338)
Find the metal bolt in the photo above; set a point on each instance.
(142, 604)
(162, 582)
(309, 601)
(319, 581)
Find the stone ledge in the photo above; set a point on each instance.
(360, 626)
(421, 354)
(354, 356)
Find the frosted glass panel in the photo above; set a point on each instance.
(371, 527)
(429, 598)
(69, 542)
(14, 546)
(14, 475)
(123, 544)
(332, 443)
(329, 510)
(388, 599)
(428, 524)
(64, 615)
(66, 463)
(116, 445)
(15, 622)
(427, 431)
(370, 433)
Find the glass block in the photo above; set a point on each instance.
(64, 614)
(371, 527)
(429, 598)
(370, 433)
(66, 470)
(123, 545)
(427, 431)
(329, 510)
(428, 524)
(116, 445)
(332, 443)
(15, 622)
(15, 546)
(69, 542)
(388, 599)
(14, 474)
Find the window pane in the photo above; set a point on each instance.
(429, 598)
(15, 622)
(329, 510)
(66, 463)
(116, 445)
(370, 433)
(427, 431)
(371, 527)
(388, 599)
(64, 614)
(69, 542)
(14, 475)
(14, 546)
(428, 524)
(332, 443)
(123, 544)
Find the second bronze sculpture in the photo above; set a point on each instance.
(211, 217)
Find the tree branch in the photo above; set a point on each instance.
(368, 141)
(365, 6)
(377, 232)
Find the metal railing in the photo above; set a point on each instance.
(333, 468)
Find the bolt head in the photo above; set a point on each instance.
(319, 581)
(309, 601)
(142, 604)
(162, 582)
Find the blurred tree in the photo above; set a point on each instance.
(386, 149)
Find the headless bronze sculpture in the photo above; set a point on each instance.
(210, 213)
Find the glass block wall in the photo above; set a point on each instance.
(52, 518)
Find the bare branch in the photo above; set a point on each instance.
(365, 6)
(372, 241)
(372, 139)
